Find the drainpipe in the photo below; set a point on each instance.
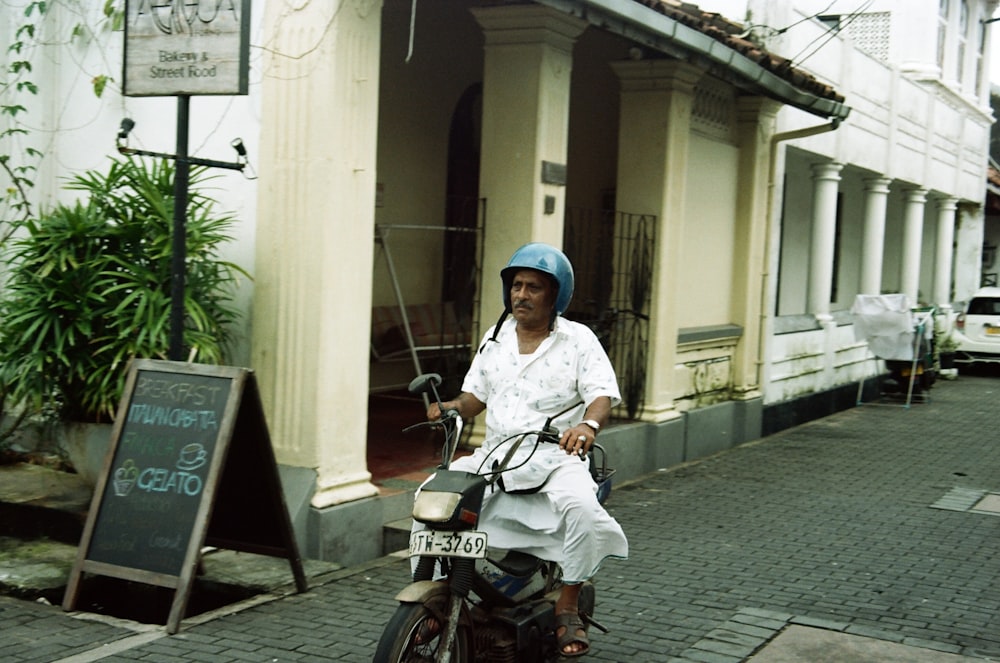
(771, 183)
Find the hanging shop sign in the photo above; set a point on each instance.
(186, 47)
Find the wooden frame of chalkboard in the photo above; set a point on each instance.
(190, 465)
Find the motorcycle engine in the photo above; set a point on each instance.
(498, 643)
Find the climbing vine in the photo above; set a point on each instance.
(19, 164)
(19, 160)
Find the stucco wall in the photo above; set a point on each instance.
(708, 237)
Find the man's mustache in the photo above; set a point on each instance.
(523, 303)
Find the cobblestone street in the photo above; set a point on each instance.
(874, 522)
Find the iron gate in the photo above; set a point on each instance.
(613, 255)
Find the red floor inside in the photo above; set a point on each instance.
(391, 453)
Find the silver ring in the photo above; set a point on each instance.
(582, 438)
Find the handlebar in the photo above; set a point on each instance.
(451, 423)
(446, 417)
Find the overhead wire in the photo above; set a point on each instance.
(806, 18)
(830, 32)
(772, 32)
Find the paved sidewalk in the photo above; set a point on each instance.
(870, 535)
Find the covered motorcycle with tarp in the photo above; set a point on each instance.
(903, 337)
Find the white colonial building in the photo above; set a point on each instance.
(723, 205)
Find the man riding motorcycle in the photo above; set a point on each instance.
(528, 369)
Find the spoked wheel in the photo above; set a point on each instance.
(413, 635)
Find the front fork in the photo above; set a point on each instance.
(460, 583)
(460, 575)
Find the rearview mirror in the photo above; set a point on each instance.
(425, 384)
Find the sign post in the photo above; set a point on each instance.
(190, 464)
(181, 49)
(178, 237)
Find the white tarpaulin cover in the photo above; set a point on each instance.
(886, 323)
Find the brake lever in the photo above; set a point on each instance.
(446, 416)
(422, 424)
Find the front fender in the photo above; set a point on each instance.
(421, 591)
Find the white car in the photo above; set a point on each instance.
(977, 328)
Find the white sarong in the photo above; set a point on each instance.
(563, 522)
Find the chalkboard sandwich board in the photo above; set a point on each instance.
(190, 464)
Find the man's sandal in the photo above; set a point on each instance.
(574, 626)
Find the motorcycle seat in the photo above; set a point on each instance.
(517, 563)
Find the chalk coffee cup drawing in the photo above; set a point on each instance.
(192, 456)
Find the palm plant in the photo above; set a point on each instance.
(88, 289)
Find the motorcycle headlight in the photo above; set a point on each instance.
(435, 507)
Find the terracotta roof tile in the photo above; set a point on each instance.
(730, 33)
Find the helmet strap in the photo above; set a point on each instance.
(496, 328)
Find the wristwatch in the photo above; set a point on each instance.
(593, 424)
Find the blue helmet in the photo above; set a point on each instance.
(546, 259)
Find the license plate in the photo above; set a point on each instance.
(993, 331)
(448, 544)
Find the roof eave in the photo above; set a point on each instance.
(662, 33)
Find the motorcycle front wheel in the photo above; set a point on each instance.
(413, 635)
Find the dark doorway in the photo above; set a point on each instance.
(462, 207)
(393, 457)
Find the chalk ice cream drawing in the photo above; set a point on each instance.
(125, 477)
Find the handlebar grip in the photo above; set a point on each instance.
(549, 434)
(445, 417)
(421, 424)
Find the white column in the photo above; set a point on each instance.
(756, 116)
(968, 265)
(913, 230)
(826, 177)
(654, 129)
(945, 251)
(526, 93)
(313, 269)
(876, 196)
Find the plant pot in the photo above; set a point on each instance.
(86, 446)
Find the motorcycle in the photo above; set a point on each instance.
(468, 602)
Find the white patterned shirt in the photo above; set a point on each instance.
(569, 367)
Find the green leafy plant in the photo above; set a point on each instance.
(37, 32)
(18, 164)
(89, 289)
(945, 343)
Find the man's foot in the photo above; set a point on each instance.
(571, 635)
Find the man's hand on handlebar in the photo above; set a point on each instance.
(577, 440)
(580, 438)
(465, 404)
(434, 411)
